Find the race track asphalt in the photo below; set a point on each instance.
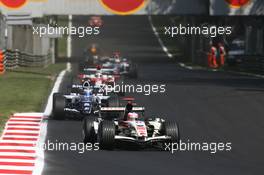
(209, 106)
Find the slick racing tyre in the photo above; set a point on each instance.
(59, 104)
(172, 129)
(106, 135)
(89, 135)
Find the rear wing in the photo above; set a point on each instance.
(77, 86)
(94, 69)
(121, 109)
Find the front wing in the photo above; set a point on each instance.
(146, 140)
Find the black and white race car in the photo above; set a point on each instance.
(131, 127)
(123, 66)
(117, 65)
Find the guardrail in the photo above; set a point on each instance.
(250, 63)
(12, 59)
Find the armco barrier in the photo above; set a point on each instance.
(251, 63)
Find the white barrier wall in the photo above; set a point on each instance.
(2, 33)
(61, 7)
(38, 8)
(90, 7)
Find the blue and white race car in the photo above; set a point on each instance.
(83, 100)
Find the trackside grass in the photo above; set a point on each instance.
(26, 90)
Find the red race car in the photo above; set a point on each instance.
(95, 21)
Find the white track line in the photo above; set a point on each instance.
(30, 119)
(23, 126)
(25, 123)
(17, 147)
(164, 48)
(8, 138)
(29, 114)
(18, 141)
(43, 130)
(20, 136)
(56, 87)
(18, 154)
(17, 160)
(22, 131)
(6, 167)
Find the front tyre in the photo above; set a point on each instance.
(89, 135)
(106, 135)
(171, 129)
(59, 104)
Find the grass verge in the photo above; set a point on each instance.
(26, 90)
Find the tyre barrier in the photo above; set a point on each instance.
(12, 59)
(2, 62)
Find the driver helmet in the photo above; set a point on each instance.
(99, 75)
(104, 76)
(88, 93)
(86, 85)
(98, 67)
(117, 60)
(132, 116)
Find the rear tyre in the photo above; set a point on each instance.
(59, 104)
(89, 135)
(106, 135)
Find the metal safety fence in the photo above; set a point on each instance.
(250, 63)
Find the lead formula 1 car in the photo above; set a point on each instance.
(133, 127)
